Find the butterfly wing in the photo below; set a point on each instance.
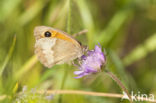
(65, 51)
(51, 51)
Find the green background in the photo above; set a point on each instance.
(125, 28)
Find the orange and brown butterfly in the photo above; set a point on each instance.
(54, 46)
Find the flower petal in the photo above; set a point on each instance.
(91, 63)
(78, 72)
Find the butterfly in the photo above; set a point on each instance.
(54, 46)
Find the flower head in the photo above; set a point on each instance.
(91, 63)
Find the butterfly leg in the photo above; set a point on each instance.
(76, 65)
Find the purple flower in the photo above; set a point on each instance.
(91, 63)
(49, 97)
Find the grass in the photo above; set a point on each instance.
(8, 56)
(126, 29)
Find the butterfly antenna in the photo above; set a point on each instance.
(80, 33)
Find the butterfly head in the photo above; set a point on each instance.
(44, 32)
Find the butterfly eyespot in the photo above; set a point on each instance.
(47, 34)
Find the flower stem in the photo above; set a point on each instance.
(68, 31)
(110, 74)
(69, 17)
(80, 92)
(63, 84)
(90, 93)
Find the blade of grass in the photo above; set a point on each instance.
(87, 20)
(32, 12)
(141, 50)
(48, 73)
(55, 18)
(53, 7)
(15, 88)
(114, 25)
(8, 7)
(68, 31)
(6, 60)
(26, 67)
(69, 17)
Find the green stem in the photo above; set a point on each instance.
(63, 83)
(110, 74)
(69, 17)
(69, 31)
(8, 56)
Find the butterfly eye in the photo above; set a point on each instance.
(47, 34)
